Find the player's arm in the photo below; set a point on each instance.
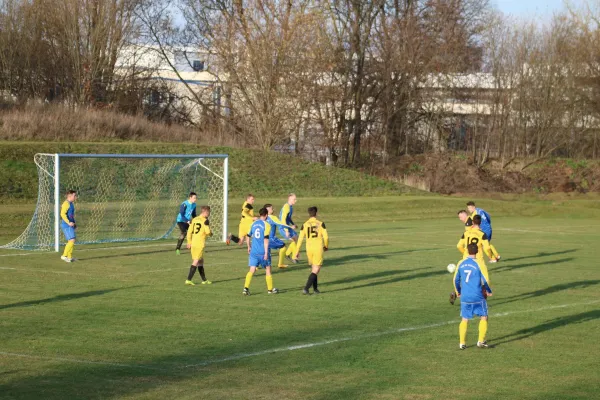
(485, 285)
(246, 211)
(325, 236)
(189, 234)
(182, 210)
(300, 240)
(278, 222)
(285, 211)
(194, 213)
(63, 211)
(266, 241)
(462, 244)
(206, 228)
(457, 282)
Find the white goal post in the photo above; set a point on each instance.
(124, 197)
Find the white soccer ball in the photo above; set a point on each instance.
(451, 268)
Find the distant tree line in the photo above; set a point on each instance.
(354, 81)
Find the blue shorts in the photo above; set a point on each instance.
(291, 231)
(276, 243)
(259, 261)
(468, 310)
(68, 231)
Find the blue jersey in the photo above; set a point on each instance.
(259, 231)
(187, 211)
(468, 281)
(486, 221)
(67, 213)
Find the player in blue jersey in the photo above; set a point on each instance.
(288, 233)
(67, 224)
(259, 254)
(187, 212)
(274, 242)
(473, 289)
(486, 226)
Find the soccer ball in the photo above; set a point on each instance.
(451, 268)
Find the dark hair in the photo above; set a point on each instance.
(472, 249)
(263, 212)
(462, 212)
(69, 192)
(192, 194)
(471, 203)
(477, 220)
(312, 211)
(249, 195)
(268, 205)
(204, 208)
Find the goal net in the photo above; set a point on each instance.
(123, 197)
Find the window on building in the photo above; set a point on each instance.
(198, 65)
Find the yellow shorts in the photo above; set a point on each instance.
(244, 227)
(315, 256)
(197, 253)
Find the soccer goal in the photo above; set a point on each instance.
(123, 197)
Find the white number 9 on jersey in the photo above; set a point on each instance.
(257, 233)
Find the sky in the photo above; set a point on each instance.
(531, 8)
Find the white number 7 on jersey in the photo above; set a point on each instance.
(468, 272)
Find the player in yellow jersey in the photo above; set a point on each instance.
(486, 226)
(287, 230)
(67, 224)
(317, 242)
(245, 223)
(475, 235)
(197, 233)
(465, 219)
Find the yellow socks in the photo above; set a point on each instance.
(482, 329)
(282, 256)
(462, 331)
(291, 250)
(248, 279)
(269, 279)
(494, 251)
(69, 249)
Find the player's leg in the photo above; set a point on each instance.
(69, 233)
(242, 234)
(484, 269)
(482, 311)
(253, 262)
(193, 267)
(317, 262)
(466, 312)
(269, 279)
(313, 276)
(202, 273)
(183, 228)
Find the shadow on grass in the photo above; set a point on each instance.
(137, 253)
(505, 268)
(378, 256)
(393, 280)
(62, 297)
(541, 254)
(548, 290)
(72, 378)
(547, 326)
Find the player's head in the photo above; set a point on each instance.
(463, 216)
(291, 199)
(193, 197)
(263, 212)
(472, 249)
(250, 198)
(269, 208)
(71, 195)
(205, 211)
(477, 220)
(471, 207)
(312, 211)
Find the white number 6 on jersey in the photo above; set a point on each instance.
(257, 233)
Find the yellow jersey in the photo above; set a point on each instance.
(198, 231)
(315, 233)
(477, 236)
(247, 213)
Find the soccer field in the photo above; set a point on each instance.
(120, 323)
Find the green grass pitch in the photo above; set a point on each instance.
(120, 323)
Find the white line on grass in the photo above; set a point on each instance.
(240, 356)
(236, 357)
